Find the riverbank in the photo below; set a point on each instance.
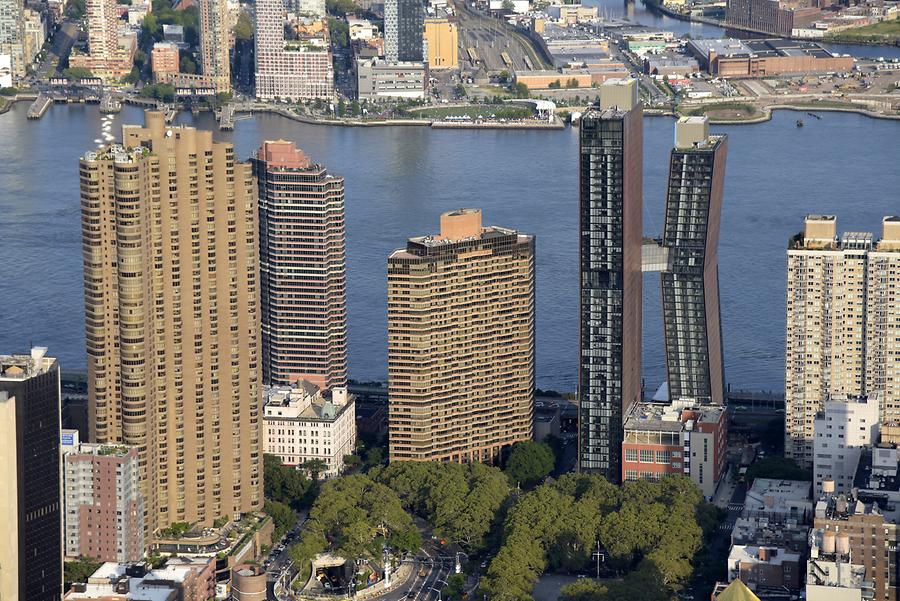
(843, 37)
(747, 113)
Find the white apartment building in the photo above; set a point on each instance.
(843, 324)
(300, 424)
(290, 69)
(844, 426)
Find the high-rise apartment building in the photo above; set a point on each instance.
(215, 62)
(106, 58)
(170, 230)
(12, 35)
(103, 506)
(461, 342)
(404, 26)
(843, 324)
(30, 541)
(302, 268)
(611, 189)
(289, 69)
(690, 285)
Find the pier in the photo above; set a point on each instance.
(110, 104)
(226, 118)
(39, 107)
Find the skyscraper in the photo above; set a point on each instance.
(302, 268)
(214, 51)
(404, 28)
(283, 70)
(106, 58)
(169, 226)
(461, 342)
(690, 287)
(30, 541)
(12, 35)
(611, 188)
(843, 322)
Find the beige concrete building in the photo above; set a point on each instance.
(108, 57)
(169, 226)
(215, 60)
(461, 342)
(442, 40)
(302, 424)
(843, 324)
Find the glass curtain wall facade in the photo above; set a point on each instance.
(690, 288)
(610, 174)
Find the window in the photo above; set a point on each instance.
(663, 457)
(631, 455)
(646, 456)
(630, 475)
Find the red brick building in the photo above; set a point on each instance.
(680, 438)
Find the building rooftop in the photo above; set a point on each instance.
(305, 401)
(754, 554)
(21, 367)
(674, 417)
(730, 47)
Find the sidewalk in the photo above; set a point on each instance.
(378, 589)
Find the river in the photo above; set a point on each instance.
(399, 180)
(645, 15)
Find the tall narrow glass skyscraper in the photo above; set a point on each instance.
(611, 189)
(690, 287)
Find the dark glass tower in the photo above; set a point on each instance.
(690, 287)
(610, 174)
(404, 30)
(31, 553)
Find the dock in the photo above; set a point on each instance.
(168, 112)
(110, 104)
(226, 118)
(39, 107)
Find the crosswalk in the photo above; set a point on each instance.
(735, 507)
(726, 526)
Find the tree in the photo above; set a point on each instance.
(76, 9)
(456, 586)
(315, 467)
(529, 463)
(243, 29)
(341, 7)
(555, 85)
(520, 90)
(508, 5)
(285, 484)
(76, 73)
(283, 517)
(572, 83)
(186, 64)
(79, 570)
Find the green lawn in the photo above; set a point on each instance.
(500, 111)
(879, 32)
(730, 111)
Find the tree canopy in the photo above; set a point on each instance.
(647, 530)
(529, 463)
(243, 29)
(284, 484)
(354, 516)
(459, 502)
